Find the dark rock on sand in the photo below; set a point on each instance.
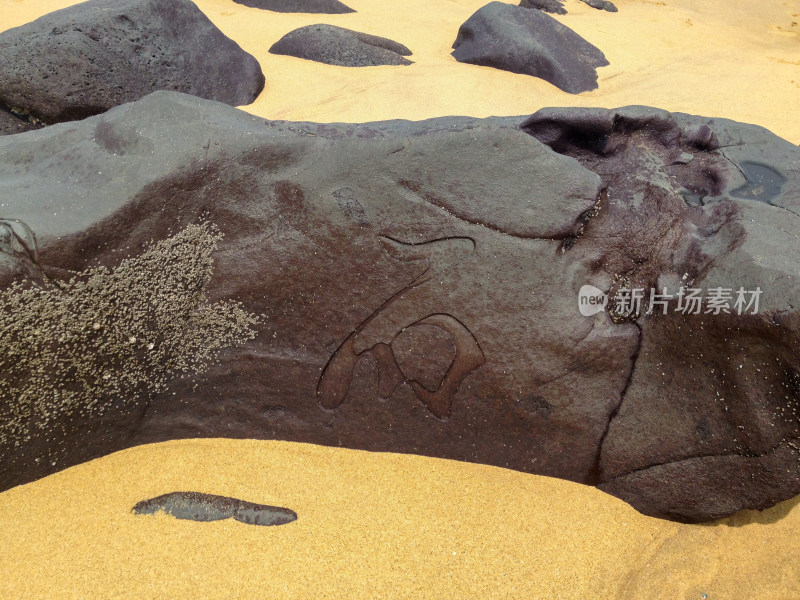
(195, 506)
(530, 42)
(331, 7)
(84, 59)
(338, 46)
(601, 5)
(551, 6)
(418, 285)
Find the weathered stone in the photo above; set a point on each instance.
(84, 59)
(194, 506)
(601, 5)
(332, 7)
(338, 46)
(418, 285)
(551, 6)
(530, 42)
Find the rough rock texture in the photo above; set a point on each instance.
(338, 46)
(11, 123)
(418, 285)
(332, 7)
(84, 59)
(194, 506)
(520, 40)
(551, 6)
(601, 5)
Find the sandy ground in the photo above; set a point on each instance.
(390, 526)
(722, 58)
(371, 526)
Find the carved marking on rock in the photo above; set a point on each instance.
(337, 375)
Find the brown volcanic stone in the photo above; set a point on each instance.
(84, 59)
(437, 265)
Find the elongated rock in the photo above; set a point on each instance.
(458, 287)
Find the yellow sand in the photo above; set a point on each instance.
(370, 526)
(723, 58)
(389, 526)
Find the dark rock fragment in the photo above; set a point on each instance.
(195, 506)
(338, 46)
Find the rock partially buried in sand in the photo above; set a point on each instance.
(551, 6)
(330, 7)
(419, 289)
(87, 58)
(194, 506)
(601, 5)
(530, 42)
(339, 46)
(557, 6)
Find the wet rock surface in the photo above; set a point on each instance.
(530, 42)
(194, 506)
(87, 58)
(339, 46)
(418, 288)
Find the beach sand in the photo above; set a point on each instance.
(395, 526)
(370, 526)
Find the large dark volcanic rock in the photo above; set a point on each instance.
(84, 59)
(418, 283)
(338, 46)
(520, 40)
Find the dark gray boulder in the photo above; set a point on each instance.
(417, 289)
(551, 6)
(84, 59)
(339, 46)
(331, 7)
(530, 42)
